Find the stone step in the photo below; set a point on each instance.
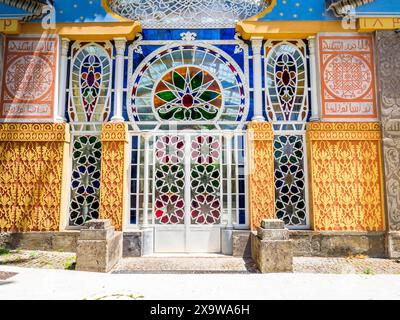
(188, 265)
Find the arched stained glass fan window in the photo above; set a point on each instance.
(188, 83)
(90, 83)
(286, 81)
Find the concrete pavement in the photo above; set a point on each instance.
(62, 284)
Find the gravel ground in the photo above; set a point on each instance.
(212, 264)
(38, 259)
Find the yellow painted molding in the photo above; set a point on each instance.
(89, 31)
(378, 23)
(9, 26)
(287, 29)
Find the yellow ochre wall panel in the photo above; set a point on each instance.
(261, 172)
(113, 172)
(346, 176)
(31, 176)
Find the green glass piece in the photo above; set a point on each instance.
(179, 81)
(167, 96)
(209, 95)
(197, 81)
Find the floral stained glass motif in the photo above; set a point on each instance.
(188, 93)
(85, 184)
(286, 77)
(290, 190)
(206, 180)
(188, 83)
(169, 180)
(91, 85)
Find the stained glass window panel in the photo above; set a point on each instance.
(286, 81)
(290, 180)
(90, 84)
(85, 184)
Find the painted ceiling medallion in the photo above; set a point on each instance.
(187, 13)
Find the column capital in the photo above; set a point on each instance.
(256, 44)
(64, 46)
(312, 44)
(120, 44)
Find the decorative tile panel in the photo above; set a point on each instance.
(347, 77)
(29, 78)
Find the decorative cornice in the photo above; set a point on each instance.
(45, 132)
(342, 8)
(115, 131)
(344, 130)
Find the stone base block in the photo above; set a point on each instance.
(394, 245)
(272, 256)
(133, 244)
(241, 244)
(99, 247)
(338, 244)
(272, 234)
(44, 241)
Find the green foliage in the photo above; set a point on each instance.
(4, 251)
(70, 263)
(368, 271)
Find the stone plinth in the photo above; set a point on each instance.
(99, 247)
(271, 248)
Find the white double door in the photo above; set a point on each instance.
(187, 189)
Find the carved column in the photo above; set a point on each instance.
(120, 44)
(261, 172)
(62, 80)
(256, 43)
(388, 70)
(114, 172)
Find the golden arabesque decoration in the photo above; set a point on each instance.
(261, 172)
(31, 175)
(346, 176)
(113, 174)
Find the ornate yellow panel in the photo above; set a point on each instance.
(113, 172)
(346, 176)
(31, 176)
(261, 172)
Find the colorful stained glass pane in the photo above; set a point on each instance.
(169, 180)
(290, 190)
(286, 78)
(206, 180)
(90, 84)
(188, 96)
(188, 83)
(85, 184)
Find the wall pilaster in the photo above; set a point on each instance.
(388, 70)
(261, 172)
(114, 172)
